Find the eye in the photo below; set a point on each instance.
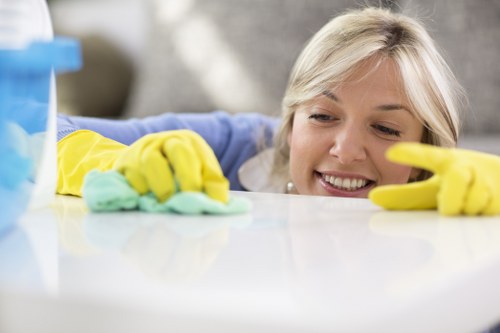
(387, 130)
(321, 117)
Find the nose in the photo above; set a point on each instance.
(349, 145)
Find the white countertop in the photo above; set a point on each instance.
(294, 264)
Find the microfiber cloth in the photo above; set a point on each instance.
(109, 191)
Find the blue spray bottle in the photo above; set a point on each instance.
(29, 57)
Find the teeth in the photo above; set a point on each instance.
(336, 181)
(349, 184)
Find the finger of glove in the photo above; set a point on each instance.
(157, 173)
(454, 187)
(414, 196)
(218, 190)
(185, 162)
(136, 180)
(478, 197)
(492, 176)
(493, 207)
(216, 186)
(435, 159)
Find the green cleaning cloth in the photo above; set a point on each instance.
(110, 191)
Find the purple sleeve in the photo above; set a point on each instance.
(234, 138)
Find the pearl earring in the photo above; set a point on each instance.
(290, 187)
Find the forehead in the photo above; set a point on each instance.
(375, 77)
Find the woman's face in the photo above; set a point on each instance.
(338, 140)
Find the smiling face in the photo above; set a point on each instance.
(338, 140)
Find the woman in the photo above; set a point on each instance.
(368, 79)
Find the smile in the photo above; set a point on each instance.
(346, 184)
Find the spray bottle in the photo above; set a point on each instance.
(29, 57)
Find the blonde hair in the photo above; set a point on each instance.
(347, 41)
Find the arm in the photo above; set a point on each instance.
(234, 138)
(162, 163)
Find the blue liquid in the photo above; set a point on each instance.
(13, 202)
(25, 80)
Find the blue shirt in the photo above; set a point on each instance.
(234, 138)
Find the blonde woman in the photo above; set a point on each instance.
(368, 79)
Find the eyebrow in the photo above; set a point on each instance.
(330, 95)
(392, 107)
(383, 107)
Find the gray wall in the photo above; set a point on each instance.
(265, 36)
(261, 39)
(257, 40)
(469, 33)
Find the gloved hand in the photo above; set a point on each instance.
(464, 181)
(157, 162)
(151, 162)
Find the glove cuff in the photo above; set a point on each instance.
(80, 152)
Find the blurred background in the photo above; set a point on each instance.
(144, 57)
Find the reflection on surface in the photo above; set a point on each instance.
(69, 216)
(458, 243)
(313, 258)
(339, 260)
(166, 247)
(18, 265)
(350, 252)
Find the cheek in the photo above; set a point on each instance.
(391, 173)
(298, 150)
(398, 174)
(305, 144)
(303, 155)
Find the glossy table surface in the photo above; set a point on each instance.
(293, 264)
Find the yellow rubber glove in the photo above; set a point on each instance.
(155, 163)
(464, 181)
(80, 152)
(151, 162)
